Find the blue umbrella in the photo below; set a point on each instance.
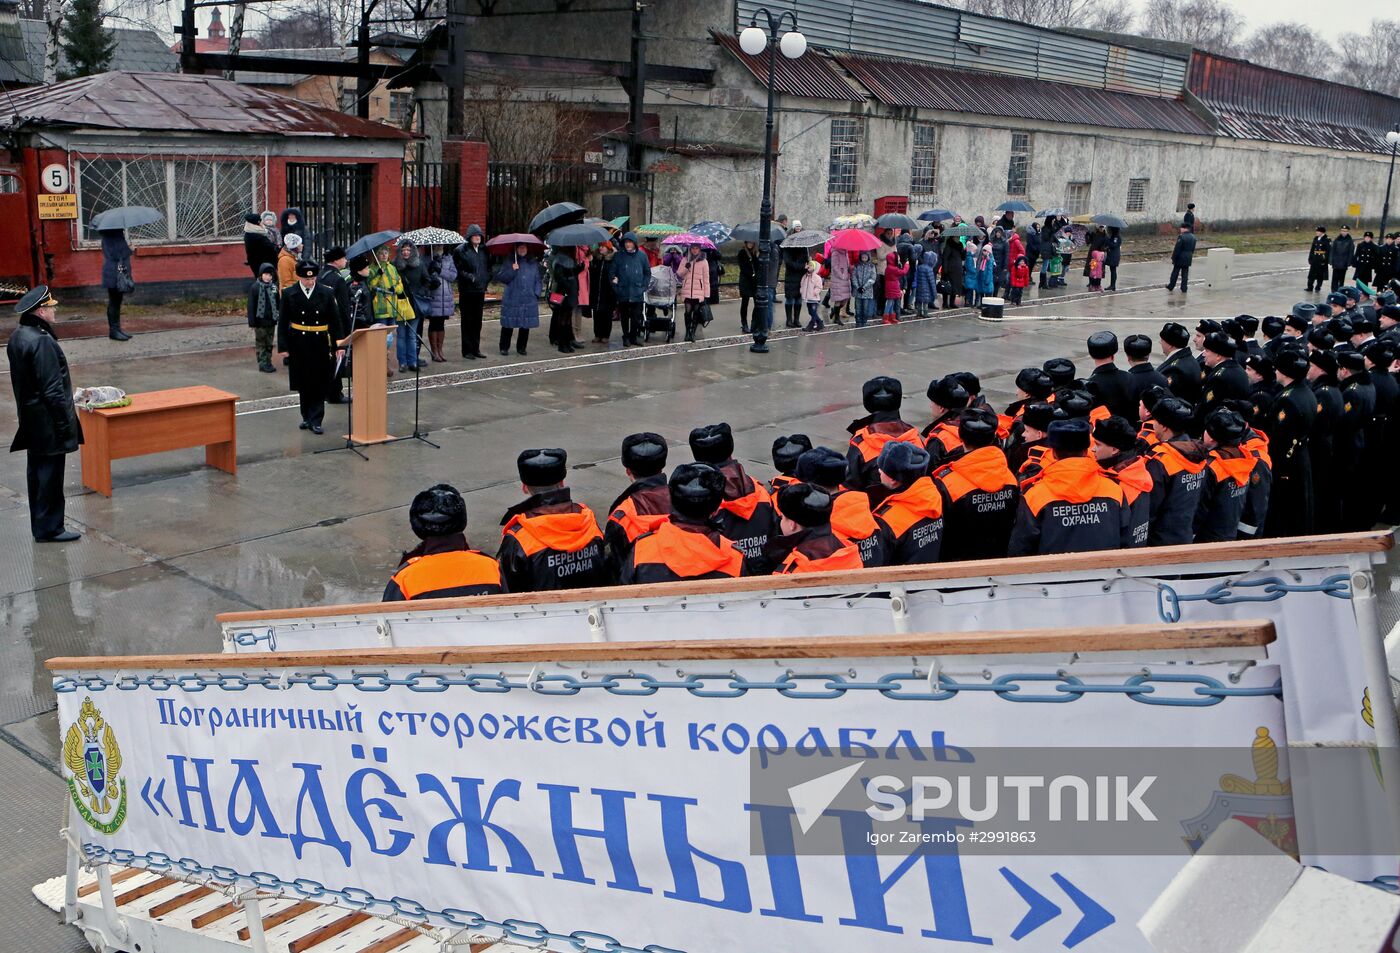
(717, 232)
(937, 215)
(1015, 205)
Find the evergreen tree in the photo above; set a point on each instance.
(87, 44)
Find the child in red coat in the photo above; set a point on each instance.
(894, 291)
(1020, 278)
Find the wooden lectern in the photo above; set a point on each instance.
(369, 410)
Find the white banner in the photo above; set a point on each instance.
(582, 805)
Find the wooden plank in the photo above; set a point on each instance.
(331, 930)
(146, 889)
(1154, 637)
(175, 903)
(157, 400)
(1110, 559)
(215, 915)
(118, 877)
(393, 941)
(174, 429)
(282, 916)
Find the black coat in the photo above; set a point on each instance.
(1140, 378)
(748, 272)
(259, 248)
(1291, 497)
(1112, 388)
(1113, 254)
(1183, 374)
(312, 353)
(48, 422)
(473, 267)
(1320, 251)
(1365, 258)
(334, 280)
(1225, 381)
(1184, 249)
(1343, 248)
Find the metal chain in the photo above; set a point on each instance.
(1223, 593)
(399, 909)
(1054, 688)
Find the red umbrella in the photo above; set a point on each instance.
(505, 244)
(854, 239)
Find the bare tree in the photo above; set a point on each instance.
(53, 25)
(537, 128)
(1378, 52)
(1207, 24)
(1093, 14)
(1292, 47)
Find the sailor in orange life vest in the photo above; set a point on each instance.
(442, 564)
(746, 514)
(1032, 384)
(1176, 464)
(947, 399)
(688, 545)
(910, 516)
(646, 503)
(786, 450)
(549, 541)
(980, 494)
(1029, 443)
(850, 509)
(1075, 507)
(881, 397)
(1119, 452)
(807, 543)
(1261, 478)
(1229, 474)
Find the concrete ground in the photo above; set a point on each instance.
(178, 543)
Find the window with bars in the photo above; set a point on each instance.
(843, 173)
(1137, 194)
(923, 165)
(1018, 171)
(9, 183)
(1077, 197)
(400, 107)
(1184, 190)
(203, 200)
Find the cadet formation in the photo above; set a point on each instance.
(1227, 437)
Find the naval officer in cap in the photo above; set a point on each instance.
(48, 422)
(307, 331)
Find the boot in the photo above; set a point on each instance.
(115, 332)
(439, 339)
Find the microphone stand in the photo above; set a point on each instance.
(418, 434)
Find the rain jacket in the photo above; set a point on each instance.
(980, 497)
(911, 524)
(442, 274)
(840, 276)
(441, 567)
(815, 549)
(520, 302)
(1074, 508)
(630, 271)
(1135, 478)
(550, 542)
(694, 274)
(391, 305)
(682, 548)
(926, 278)
(473, 264)
(812, 288)
(851, 519)
(894, 271)
(1178, 477)
(1228, 474)
(868, 437)
(642, 507)
(863, 280)
(746, 514)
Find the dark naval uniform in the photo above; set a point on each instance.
(1290, 426)
(307, 330)
(1183, 374)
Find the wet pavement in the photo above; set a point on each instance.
(179, 542)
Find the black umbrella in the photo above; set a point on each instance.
(130, 216)
(370, 242)
(896, 220)
(578, 234)
(1111, 221)
(937, 215)
(748, 232)
(557, 216)
(1053, 212)
(1015, 205)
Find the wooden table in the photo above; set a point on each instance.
(155, 422)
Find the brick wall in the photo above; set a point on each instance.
(471, 159)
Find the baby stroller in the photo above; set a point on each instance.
(660, 301)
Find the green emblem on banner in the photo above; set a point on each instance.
(94, 760)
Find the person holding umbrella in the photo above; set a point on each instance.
(520, 309)
(694, 275)
(564, 268)
(473, 275)
(390, 301)
(116, 278)
(748, 259)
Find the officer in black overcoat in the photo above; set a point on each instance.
(1289, 426)
(307, 330)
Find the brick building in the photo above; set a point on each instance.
(205, 152)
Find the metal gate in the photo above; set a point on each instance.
(431, 195)
(515, 191)
(335, 199)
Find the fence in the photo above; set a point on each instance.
(515, 191)
(431, 193)
(334, 198)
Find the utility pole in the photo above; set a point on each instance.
(637, 89)
(456, 68)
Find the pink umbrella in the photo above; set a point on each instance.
(688, 238)
(854, 240)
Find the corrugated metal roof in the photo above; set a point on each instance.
(899, 83)
(15, 68)
(137, 51)
(1255, 102)
(183, 103)
(811, 77)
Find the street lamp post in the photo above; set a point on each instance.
(1392, 137)
(753, 40)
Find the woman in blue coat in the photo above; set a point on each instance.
(926, 284)
(116, 272)
(520, 307)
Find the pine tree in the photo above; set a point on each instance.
(87, 44)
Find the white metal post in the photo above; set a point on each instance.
(257, 940)
(116, 924)
(1387, 720)
(70, 880)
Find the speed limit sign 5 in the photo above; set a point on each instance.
(55, 178)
